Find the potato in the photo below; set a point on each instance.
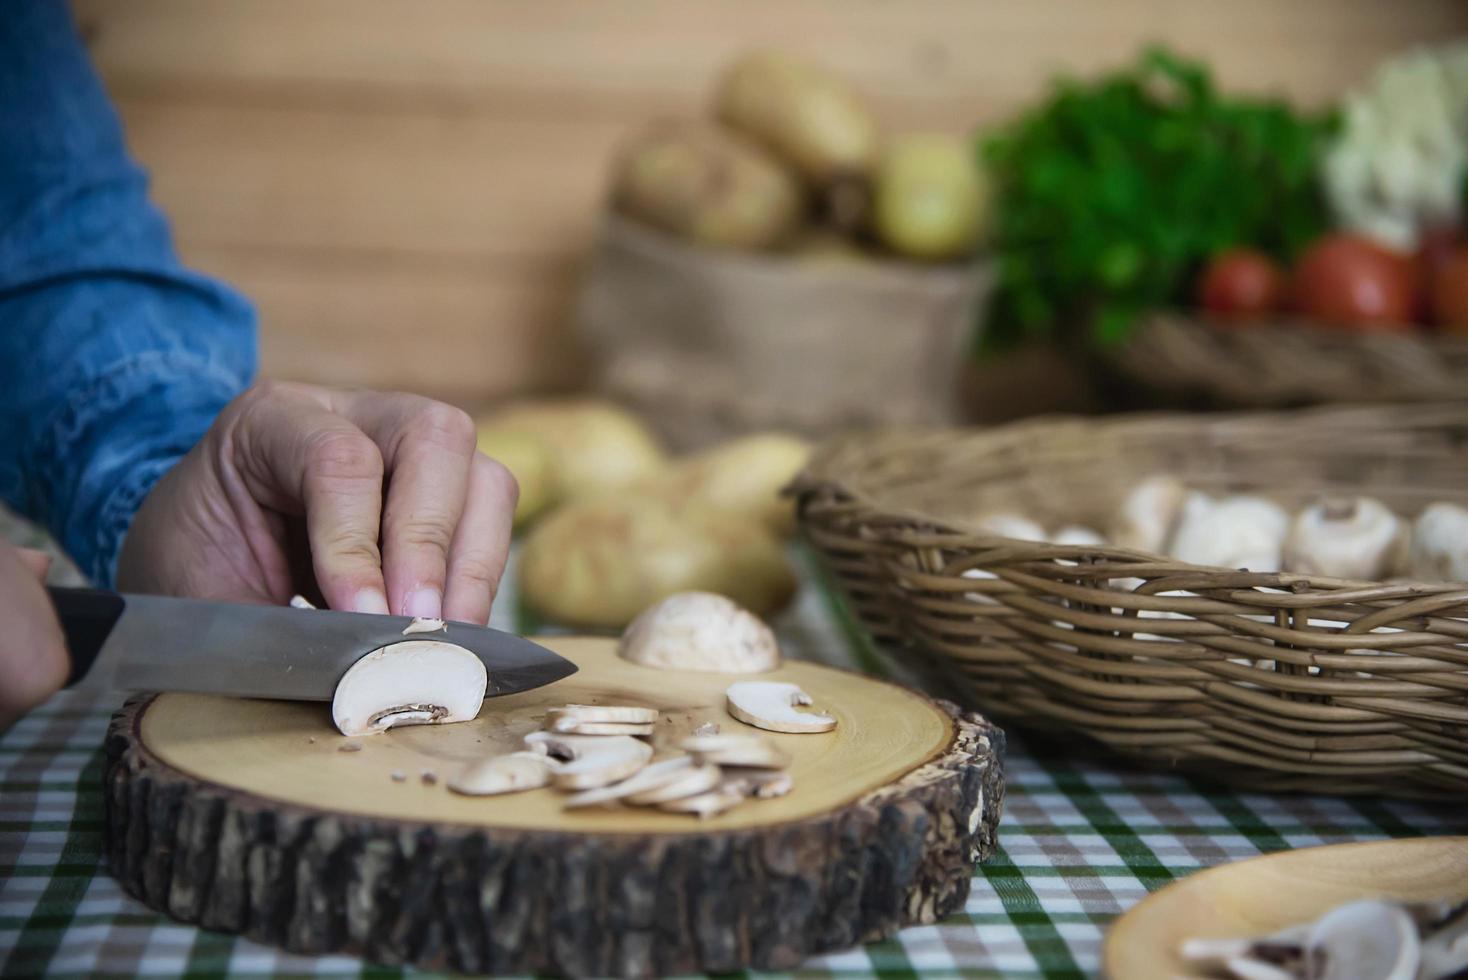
(931, 201)
(594, 446)
(529, 460)
(708, 184)
(807, 115)
(743, 477)
(599, 562)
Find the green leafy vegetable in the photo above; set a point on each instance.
(1112, 193)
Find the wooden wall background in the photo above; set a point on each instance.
(406, 189)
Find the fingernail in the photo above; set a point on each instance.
(424, 604)
(370, 601)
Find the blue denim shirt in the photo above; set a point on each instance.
(114, 358)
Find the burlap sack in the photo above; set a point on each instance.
(708, 343)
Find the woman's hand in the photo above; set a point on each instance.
(371, 502)
(33, 660)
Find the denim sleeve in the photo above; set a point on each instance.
(114, 358)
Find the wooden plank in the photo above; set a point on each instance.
(311, 178)
(465, 332)
(582, 55)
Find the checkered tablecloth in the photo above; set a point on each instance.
(1080, 844)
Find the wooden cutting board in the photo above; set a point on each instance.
(246, 816)
(1265, 894)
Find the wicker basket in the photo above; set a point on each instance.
(1174, 359)
(709, 342)
(1269, 681)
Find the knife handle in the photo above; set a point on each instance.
(87, 617)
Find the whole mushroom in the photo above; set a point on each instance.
(700, 631)
(1346, 537)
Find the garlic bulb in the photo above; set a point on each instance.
(1148, 514)
(1350, 537)
(1439, 551)
(1236, 532)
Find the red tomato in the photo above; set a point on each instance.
(1450, 292)
(1350, 280)
(1240, 284)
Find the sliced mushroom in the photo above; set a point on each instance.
(605, 713)
(414, 682)
(301, 602)
(762, 784)
(653, 777)
(708, 804)
(1367, 940)
(703, 777)
(754, 751)
(573, 727)
(700, 631)
(510, 773)
(591, 760)
(1445, 943)
(1248, 968)
(771, 705)
(422, 625)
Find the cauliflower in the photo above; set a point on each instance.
(1397, 164)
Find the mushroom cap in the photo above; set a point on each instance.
(1366, 940)
(771, 705)
(413, 682)
(1236, 532)
(1351, 538)
(700, 631)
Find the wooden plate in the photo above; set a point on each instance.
(1265, 894)
(247, 816)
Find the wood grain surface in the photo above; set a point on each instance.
(289, 751)
(406, 189)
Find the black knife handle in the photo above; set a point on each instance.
(87, 617)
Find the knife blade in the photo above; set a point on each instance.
(156, 643)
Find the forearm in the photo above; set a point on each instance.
(114, 358)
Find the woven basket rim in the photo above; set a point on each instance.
(823, 473)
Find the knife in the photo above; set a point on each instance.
(155, 643)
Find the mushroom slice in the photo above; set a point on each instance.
(1445, 942)
(708, 804)
(301, 602)
(604, 713)
(1367, 940)
(701, 778)
(762, 784)
(421, 625)
(653, 777)
(754, 751)
(503, 774)
(413, 682)
(571, 727)
(591, 760)
(1248, 968)
(771, 705)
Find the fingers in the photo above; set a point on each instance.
(33, 658)
(296, 453)
(427, 448)
(39, 562)
(481, 542)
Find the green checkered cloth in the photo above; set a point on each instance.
(1080, 843)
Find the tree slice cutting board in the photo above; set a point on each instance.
(248, 817)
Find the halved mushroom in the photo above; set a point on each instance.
(1366, 940)
(754, 751)
(503, 774)
(653, 777)
(590, 760)
(413, 682)
(771, 705)
(700, 631)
